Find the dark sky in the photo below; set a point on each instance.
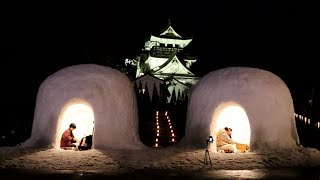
(39, 39)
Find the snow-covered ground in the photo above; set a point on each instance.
(165, 158)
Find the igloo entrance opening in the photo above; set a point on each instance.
(233, 116)
(80, 114)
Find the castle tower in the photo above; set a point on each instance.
(164, 57)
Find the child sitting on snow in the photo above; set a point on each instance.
(67, 138)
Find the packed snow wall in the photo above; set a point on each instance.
(255, 103)
(98, 99)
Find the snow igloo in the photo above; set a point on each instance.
(98, 99)
(255, 103)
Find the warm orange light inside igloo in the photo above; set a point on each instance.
(233, 116)
(80, 114)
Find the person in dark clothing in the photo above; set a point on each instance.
(85, 143)
(67, 138)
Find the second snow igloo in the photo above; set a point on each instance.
(255, 103)
(98, 99)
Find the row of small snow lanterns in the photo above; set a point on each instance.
(306, 120)
(158, 129)
(170, 126)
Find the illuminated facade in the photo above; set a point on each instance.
(163, 56)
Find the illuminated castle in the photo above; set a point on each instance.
(163, 57)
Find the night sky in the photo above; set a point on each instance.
(41, 38)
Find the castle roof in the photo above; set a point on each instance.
(173, 61)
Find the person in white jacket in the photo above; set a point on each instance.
(225, 142)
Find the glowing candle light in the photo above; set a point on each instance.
(158, 134)
(157, 123)
(158, 130)
(156, 140)
(172, 131)
(172, 139)
(172, 134)
(156, 144)
(170, 127)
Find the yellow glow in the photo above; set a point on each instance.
(80, 114)
(235, 117)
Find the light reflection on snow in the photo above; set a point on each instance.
(241, 174)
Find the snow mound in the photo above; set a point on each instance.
(107, 101)
(265, 114)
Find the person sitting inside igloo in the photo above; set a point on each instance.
(67, 139)
(225, 143)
